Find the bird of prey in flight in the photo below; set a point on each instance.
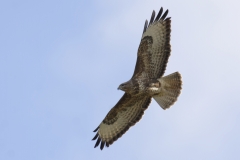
(146, 83)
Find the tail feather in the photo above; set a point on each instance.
(171, 86)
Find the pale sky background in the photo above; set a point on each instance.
(62, 61)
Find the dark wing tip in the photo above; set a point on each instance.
(145, 26)
(158, 18)
(164, 15)
(159, 14)
(95, 137)
(152, 17)
(98, 141)
(96, 129)
(168, 18)
(107, 144)
(102, 145)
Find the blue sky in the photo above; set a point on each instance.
(62, 61)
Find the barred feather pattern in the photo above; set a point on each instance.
(126, 113)
(171, 86)
(159, 47)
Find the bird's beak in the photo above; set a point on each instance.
(118, 88)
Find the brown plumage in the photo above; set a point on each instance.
(146, 83)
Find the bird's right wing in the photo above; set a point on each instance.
(154, 49)
(124, 114)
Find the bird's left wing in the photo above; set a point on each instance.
(123, 115)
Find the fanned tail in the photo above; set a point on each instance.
(171, 86)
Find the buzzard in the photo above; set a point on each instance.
(146, 83)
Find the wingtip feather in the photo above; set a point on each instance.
(164, 15)
(95, 137)
(152, 17)
(145, 26)
(159, 17)
(159, 14)
(96, 129)
(102, 145)
(97, 143)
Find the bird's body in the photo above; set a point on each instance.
(146, 83)
(144, 86)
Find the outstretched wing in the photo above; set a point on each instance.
(154, 49)
(123, 115)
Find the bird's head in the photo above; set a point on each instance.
(125, 86)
